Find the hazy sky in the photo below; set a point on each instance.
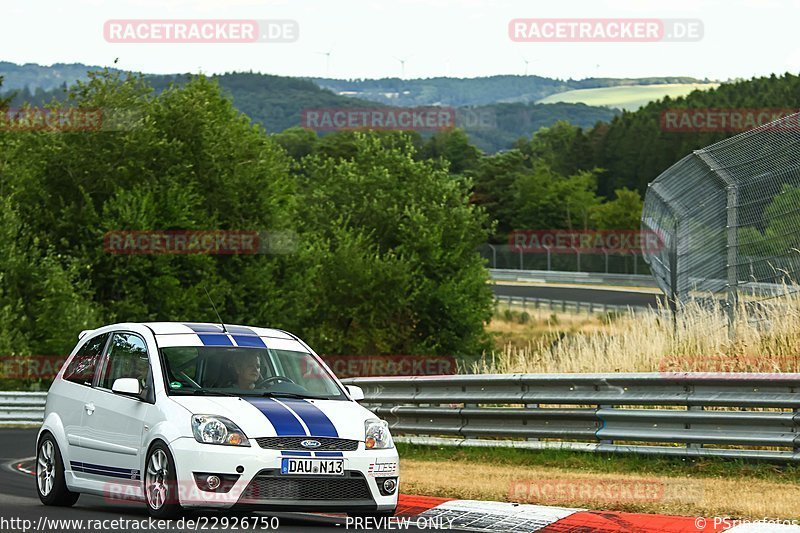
(466, 38)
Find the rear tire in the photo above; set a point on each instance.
(51, 483)
(160, 483)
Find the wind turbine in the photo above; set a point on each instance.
(527, 62)
(402, 61)
(327, 61)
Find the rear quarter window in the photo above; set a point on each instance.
(82, 367)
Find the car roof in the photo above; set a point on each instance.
(178, 328)
(182, 328)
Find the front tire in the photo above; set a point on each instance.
(51, 484)
(160, 483)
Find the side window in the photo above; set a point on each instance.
(81, 368)
(127, 358)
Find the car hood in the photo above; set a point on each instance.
(269, 417)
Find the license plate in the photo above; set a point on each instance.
(313, 467)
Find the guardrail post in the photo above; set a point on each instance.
(532, 406)
(563, 306)
(694, 445)
(605, 441)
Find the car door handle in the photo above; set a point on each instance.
(89, 408)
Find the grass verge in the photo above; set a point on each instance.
(690, 487)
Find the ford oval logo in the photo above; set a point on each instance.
(310, 444)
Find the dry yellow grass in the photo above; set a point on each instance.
(767, 341)
(748, 498)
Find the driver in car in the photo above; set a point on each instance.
(247, 371)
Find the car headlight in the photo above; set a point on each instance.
(210, 429)
(377, 435)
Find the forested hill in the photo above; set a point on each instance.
(634, 148)
(475, 91)
(277, 102)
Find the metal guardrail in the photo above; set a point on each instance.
(22, 408)
(579, 278)
(680, 414)
(567, 305)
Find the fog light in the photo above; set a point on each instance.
(213, 482)
(389, 485)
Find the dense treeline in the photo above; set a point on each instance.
(384, 261)
(277, 103)
(634, 148)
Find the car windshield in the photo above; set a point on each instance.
(238, 371)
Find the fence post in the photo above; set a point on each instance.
(521, 266)
(549, 266)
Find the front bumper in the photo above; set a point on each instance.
(260, 484)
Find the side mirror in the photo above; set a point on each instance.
(355, 392)
(127, 387)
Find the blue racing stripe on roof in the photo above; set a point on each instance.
(253, 342)
(215, 339)
(204, 328)
(319, 425)
(241, 330)
(284, 422)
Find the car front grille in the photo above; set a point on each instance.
(327, 444)
(271, 485)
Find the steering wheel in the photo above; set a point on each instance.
(274, 379)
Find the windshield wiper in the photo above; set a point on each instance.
(207, 392)
(292, 395)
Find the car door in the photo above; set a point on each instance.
(69, 398)
(114, 424)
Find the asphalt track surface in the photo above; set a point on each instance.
(579, 294)
(19, 501)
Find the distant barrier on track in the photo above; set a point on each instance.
(564, 306)
(22, 408)
(748, 416)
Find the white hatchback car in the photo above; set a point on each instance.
(209, 415)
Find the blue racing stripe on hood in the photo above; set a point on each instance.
(319, 425)
(284, 422)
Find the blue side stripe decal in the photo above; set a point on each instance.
(329, 454)
(214, 339)
(282, 419)
(254, 342)
(108, 471)
(296, 454)
(318, 424)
